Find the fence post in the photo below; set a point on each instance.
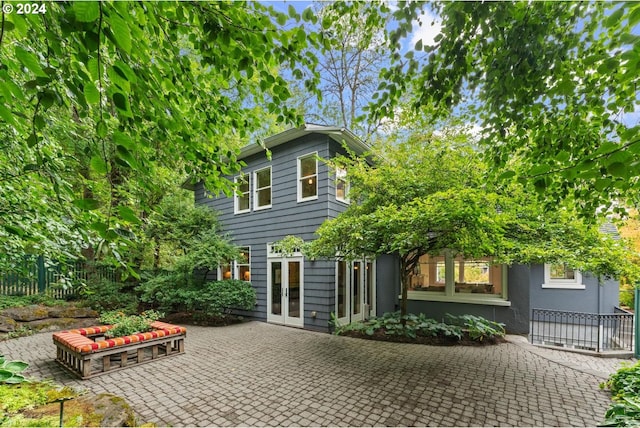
(636, 321)
(42, 276)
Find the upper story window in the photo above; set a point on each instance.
(342, 185)
(242, 200)
(307, 177)
(262, 183)
(559, 275)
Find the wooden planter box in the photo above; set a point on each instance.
(85, 352)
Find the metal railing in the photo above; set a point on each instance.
(585, 331)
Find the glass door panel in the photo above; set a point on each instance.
(356, 288)
(276, 288)
(294, 290)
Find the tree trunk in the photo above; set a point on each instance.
(404, 281)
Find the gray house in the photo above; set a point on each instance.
(293, 193)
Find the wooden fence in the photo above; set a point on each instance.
(58, 281)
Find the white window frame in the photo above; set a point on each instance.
(235, 266)
(450, 295)
(341, 176)
(568, 284)
(256, 189)
(299, 177)
(236, 197)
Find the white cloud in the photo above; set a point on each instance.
(430, 28)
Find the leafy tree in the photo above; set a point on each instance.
(98, 100)
(551, 83)
(428, 196)
(349, 63)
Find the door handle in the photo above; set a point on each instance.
(286, 290)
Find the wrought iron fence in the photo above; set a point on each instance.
(37, 277)
(586, 331)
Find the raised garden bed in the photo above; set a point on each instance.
(86, 352)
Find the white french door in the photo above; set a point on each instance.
(285, 291)
(355, 291)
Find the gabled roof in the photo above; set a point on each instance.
(338, 134)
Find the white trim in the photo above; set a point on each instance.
(457, 298)
(256, 189)
(567, 284)
(236, 197)
(299, 177)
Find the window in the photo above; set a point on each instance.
(262, 180)
(307, 177)
(243, 264)
(237, 269)
(449, 278)
(559, 275)
(342, 186)
(242, 198)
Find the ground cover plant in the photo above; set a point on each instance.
(124, 325)
(412, 328)
(625, 388)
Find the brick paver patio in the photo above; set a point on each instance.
(259, 374)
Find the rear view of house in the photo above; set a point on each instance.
(293, 191)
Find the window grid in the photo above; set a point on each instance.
(242, 199)
(262, 183)
(307, 177)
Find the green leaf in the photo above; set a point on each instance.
(123, 140)
(30, 61)
(125, 155)
(15, 366)
(91, 93)
(6, 114)
(87, 204)
(418, 46)
(122, 104)
(98, 164)
(125, 71)
(121, 33)
(101, 129)
(15, 379)
(281, 19)
(14, 230)
(127, 214)
(618, 169)
(308, 15)
(86, 11)
(5, 374)
(506, 175)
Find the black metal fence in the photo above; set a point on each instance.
(578, 330)
(35, 276)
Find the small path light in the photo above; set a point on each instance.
(60, 396)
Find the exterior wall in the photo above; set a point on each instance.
(387, 284)
(593, 299)
(285, 217)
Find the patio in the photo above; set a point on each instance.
(260, 374)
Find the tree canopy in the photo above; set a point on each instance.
(551, 84)
(429, 195)
(104, 105)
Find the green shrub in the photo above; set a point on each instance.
(390, 324)
(107, 295)
(625, 387)
(478, 328)
(211, 299)
(627, 298)
(34, 299)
